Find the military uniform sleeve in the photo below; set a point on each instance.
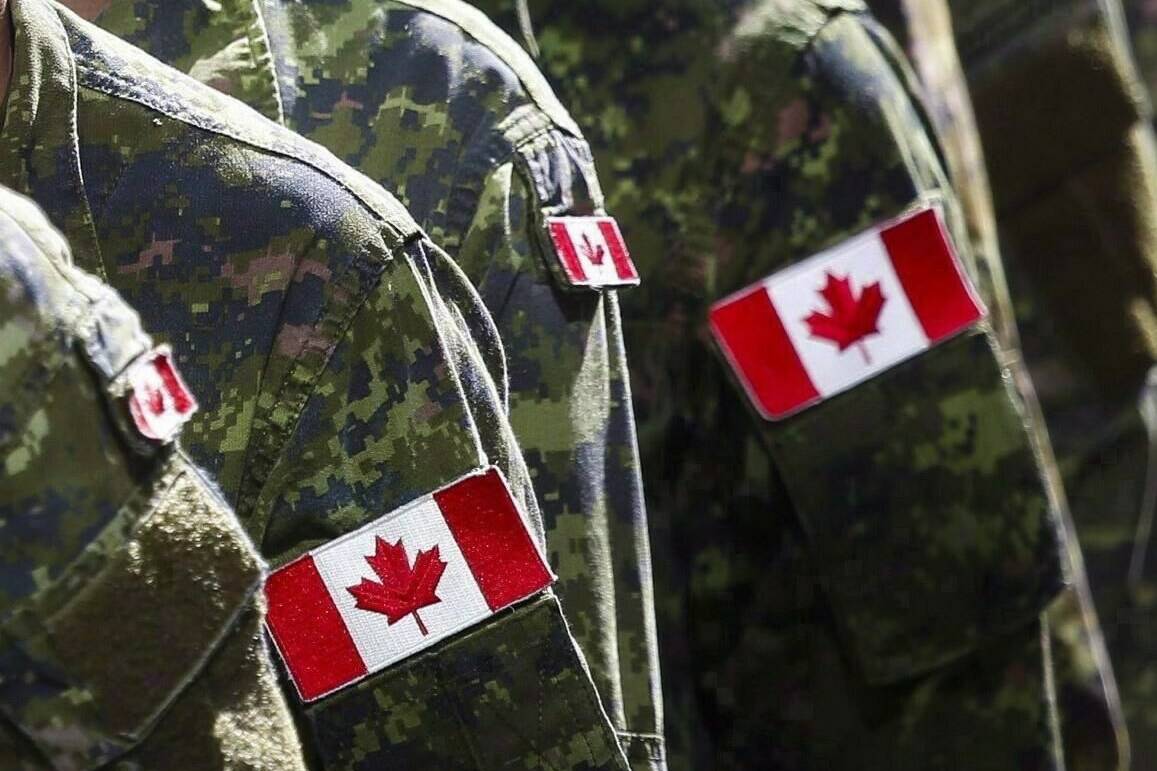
(127, 581)
(399, 407)
(893, 557)
(913, 503)
(860, 564)
(506, 156)
(1074, 197)
(570, 407)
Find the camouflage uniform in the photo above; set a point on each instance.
(1074, 201)
(430, 99)
(129, 624)
(739, 139)
(1089, 703)
(345, 367)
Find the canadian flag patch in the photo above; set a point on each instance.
(591, 251)
(846, 314)
(158, 399)
(402, 583)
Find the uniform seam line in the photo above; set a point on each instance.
(534, 83)
(296, 387)
(92, 82)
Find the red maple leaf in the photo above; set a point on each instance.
(851, 318)
(403, 590)
(591, 252)
(155, 398)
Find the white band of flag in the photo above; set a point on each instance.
(421, 573)
(846, 314)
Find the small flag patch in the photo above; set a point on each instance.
(846, 314)
(404, 582)
(591, 251)
(158, 399)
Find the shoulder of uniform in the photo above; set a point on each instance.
(26, 227)
(471, 25)
(57, 300)
(792, 24)
(108, 65)
(27, 292)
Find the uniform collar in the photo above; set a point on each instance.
(39, 149)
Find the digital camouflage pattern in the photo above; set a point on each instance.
(129, 622)
(735, 139)
(446, 111)
(1093, 725)
(1075, 203)
(340, 357)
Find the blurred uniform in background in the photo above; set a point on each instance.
(130, 620)
(432, 100)
(1135, 636)
(861, 584)
(350, 380)
(1074, 172)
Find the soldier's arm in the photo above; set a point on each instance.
(918, 492)
(482, 190)
(506, 161)
(858, 155)
(1075, 198)
(400, 417)
(129, 621)
(570, 405)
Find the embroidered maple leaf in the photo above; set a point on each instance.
(591, 252)
(155, 399)
(851, 318)
(403, 590)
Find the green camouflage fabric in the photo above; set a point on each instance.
(224, 44)
(800, 593)
(1065, 189)
(1089, 703)
(446, 111)
(130, 628)
(344, 363)
(1075, 203)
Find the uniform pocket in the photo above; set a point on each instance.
(89, 664)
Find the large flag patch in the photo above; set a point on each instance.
(402, 583)
(846, 314)
(591, 251)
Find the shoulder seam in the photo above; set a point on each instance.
(477, 25)
(103, 82)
